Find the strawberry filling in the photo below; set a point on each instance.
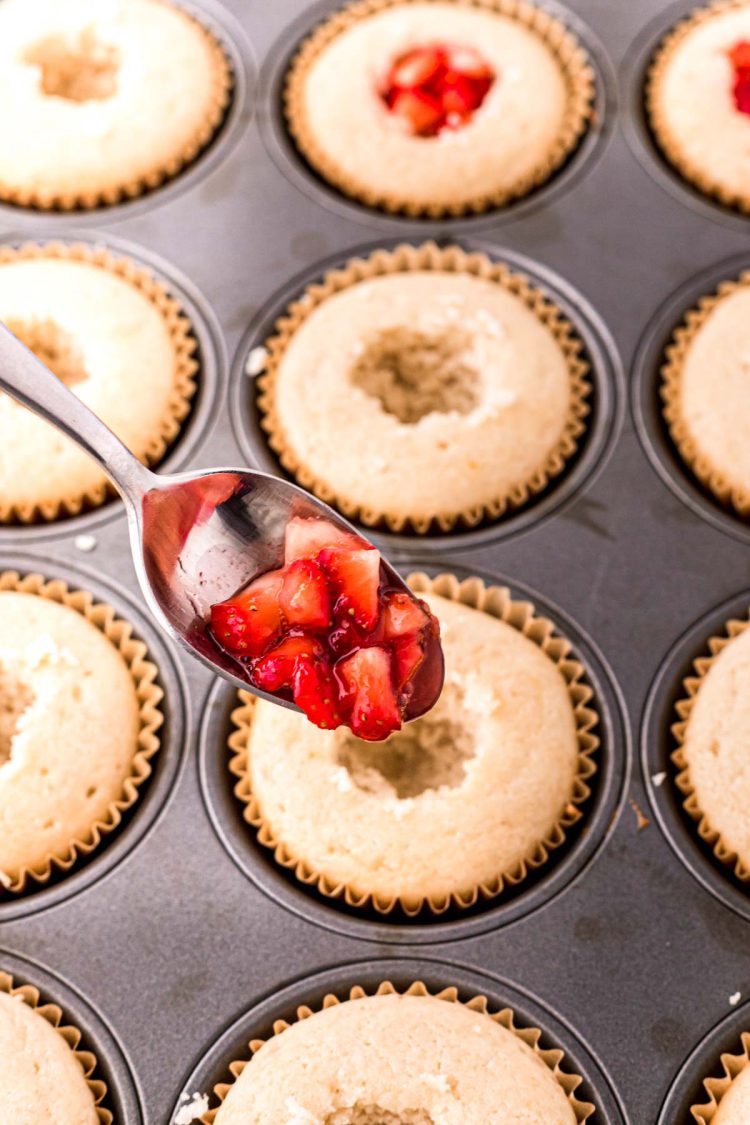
(327, 631)
(740, 58)
(437, 87)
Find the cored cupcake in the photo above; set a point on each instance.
(438, 107)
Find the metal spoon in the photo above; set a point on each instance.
(197, 537)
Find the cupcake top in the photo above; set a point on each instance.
(699, 100)
(415, 1059)
(734, 1107)
(439, 106)
(714, 745)
(421, 397)
(706, 392)
(69, 730)
(109, 331)
(109, 97)
(41, 1080)
(492, 768)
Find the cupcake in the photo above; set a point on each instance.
(501, 764)
(110, 98)
(79, 712)
(705, 392)
(447, 389)
(110, 331)
(437, 107)
(698, 100)
(401, 1057)
(729, 1096)
(44, 1076)
(711, 754)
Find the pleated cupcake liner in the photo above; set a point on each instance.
(709, 475)
(404, 259)
(576, 70)
(186, 367)
(552, 1057)
(149, 694)
(54, 1016)
(732, 1065)
(497, 602)
(684, 707)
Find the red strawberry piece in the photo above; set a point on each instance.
(742, 94)
(460, 95)
(469, 62)
(355, 577)
(347, 636)
(408, 654)
(305, 538)
(368, 683)
(403, 615)
(316, 692)
(304, 597)
(276, 669)
(419, 67)
(740, 55)
(248, 623)
(423, 111)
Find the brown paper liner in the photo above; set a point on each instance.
(576, 69)
(716, 1088)
(684, 707)
(186, 367)
(671, 373)
(72, 1036)
(694, 173)
(149, 694)
(405, 259)
(222, 84)
(496, 601)
(552, 1057)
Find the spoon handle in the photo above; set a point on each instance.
(28, 380)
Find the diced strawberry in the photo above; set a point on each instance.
(304, 597)
(305, 538)
(276, 669)
(347, 636)
(408, 654)
(468, 62)
(418, 67)
(740, 55)
(250, 622)
(355, 577)
(316, 693)
(368, 684)
(423, 111)
(460, 95)
(742, 94)
(403, 614)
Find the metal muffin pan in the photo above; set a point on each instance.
(627, 947)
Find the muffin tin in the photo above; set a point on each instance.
(180, 938)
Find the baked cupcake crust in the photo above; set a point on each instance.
(690, 103)
(507, 379)
(543, 93)
(152, 89)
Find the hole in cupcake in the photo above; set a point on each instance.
(374, 1115)
(79, 70)
(435, 87)
(427, 754)
(15, 699)
(55, 347)
(415, 373)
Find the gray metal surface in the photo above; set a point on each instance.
(627, 949)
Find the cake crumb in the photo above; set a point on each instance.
(193, 1111)
(5, 880)
(85, 543)
(298, 1114)
(256, 361)
(735, 998)
(439, 1082)
(659, 778)
(641, 820)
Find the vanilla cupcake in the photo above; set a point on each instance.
(728, 1096)
(438, 107)
(500, 764)
(424, 388)
(705, 392)
(698, 100)
(109, 98)
(409, 1057)
(110, 331)
(78, 719)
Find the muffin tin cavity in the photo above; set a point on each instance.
(153, 793)
(121, 1102)
(443, 748)
(391, 364)
(648, 405)
(258, 1022)
(658, 743)
(292, 163)
(704, 1061)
